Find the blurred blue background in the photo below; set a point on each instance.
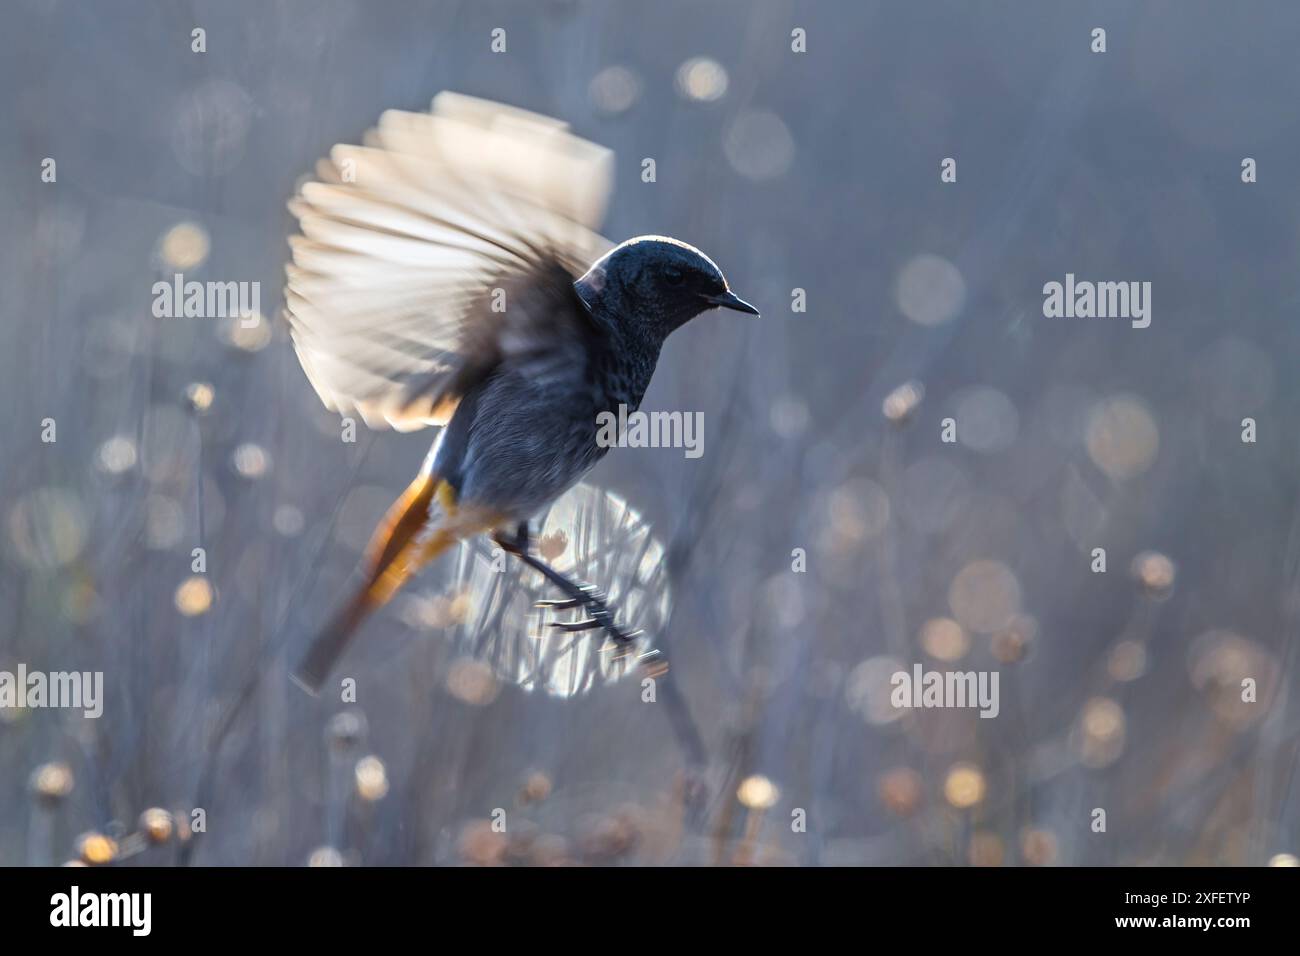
(816, 171)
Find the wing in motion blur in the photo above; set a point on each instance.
(404, 241)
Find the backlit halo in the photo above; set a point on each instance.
(591, 536)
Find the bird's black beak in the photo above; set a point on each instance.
(729, 300)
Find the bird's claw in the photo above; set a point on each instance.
(566, 605)
(589, 595)
(584, 625)
(653, 660)
(599, 615)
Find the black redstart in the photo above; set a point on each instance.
(443, 277)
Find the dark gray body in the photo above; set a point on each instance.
(526, 433)
(515, 445)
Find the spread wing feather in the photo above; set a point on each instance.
(403, 240)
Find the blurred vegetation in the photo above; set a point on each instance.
(816, 171)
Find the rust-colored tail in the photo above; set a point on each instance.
(400, 546)
(390, 560)
(330, 644)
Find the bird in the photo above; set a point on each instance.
(448, 272)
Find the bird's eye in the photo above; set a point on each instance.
(674, 276)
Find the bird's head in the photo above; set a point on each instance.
(657, 281)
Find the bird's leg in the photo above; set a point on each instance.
(586, 596)
(515, 545)
(579, 595)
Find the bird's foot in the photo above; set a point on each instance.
(578, 595)
(593, 601)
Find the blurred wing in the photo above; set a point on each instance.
(404, 239)
(543, 332)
